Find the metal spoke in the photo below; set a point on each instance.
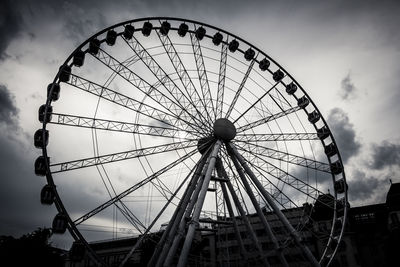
(187, 106)
(109, 158)
(141, 238)
(221, 79)
(125, 101)
(285, 157)
(117, 126)
(201, 70)
(288, 179)
(146, 88)
(257, 101)
(276, 137)
(183, 75)
(267, 119)
(133, 188)
(237, 94)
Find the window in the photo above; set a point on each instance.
(394, 218)
(365, 217)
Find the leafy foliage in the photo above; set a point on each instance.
(32, 249)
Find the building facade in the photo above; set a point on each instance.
(371, 238)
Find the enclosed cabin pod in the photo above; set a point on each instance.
(337, 226)
(334, 242)
(77, 251)
(303, 102)
(233, 46)
(341, 204)
(165, 27)
(60, 223)
(264, 64)
(40, 166)
(128, 32)
(79, 58)
(336, 167)
(323, 133)
(38, 140)
(340, 186)
(278, 75)
(65, 73)
(111, 37)
(291, 88)
(313, 117)
(55, 94)
(42, 117)
(249, 54)
(94, 46)
(147, 27)
(47, 195)
(217, 38)
(330, 150)
(183, 29)
(200, 33)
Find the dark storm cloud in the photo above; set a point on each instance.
(348, 89)
(344, 133)
(367, 188)
(385, 155)
(10, 24)
(361, 187)
(79, 23)
(8, 110)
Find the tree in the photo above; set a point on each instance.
(32, 249)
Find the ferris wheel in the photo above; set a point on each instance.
(172, 126)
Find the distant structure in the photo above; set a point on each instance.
(372, 238)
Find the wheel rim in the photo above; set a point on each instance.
(194, 107)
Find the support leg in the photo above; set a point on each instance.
(196, 214)
(169, 233)
(275, 208)
(244, 217)
(260, 214)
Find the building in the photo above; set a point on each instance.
(371, 238)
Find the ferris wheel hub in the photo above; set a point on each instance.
(224, 129)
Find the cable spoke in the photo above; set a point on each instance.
(221, 79)
(133, 188)
(109, 158)
(236, 97)
(282, 217)
(183, 75)
(201, 70)
(165, 80)
(281, 175)
(141, 238)
(285, 157)
(267, 119)
(117, 126)
(276, 137)
(146, 88)
(257, 101)
(125, 101)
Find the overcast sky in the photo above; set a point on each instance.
(346, 54)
